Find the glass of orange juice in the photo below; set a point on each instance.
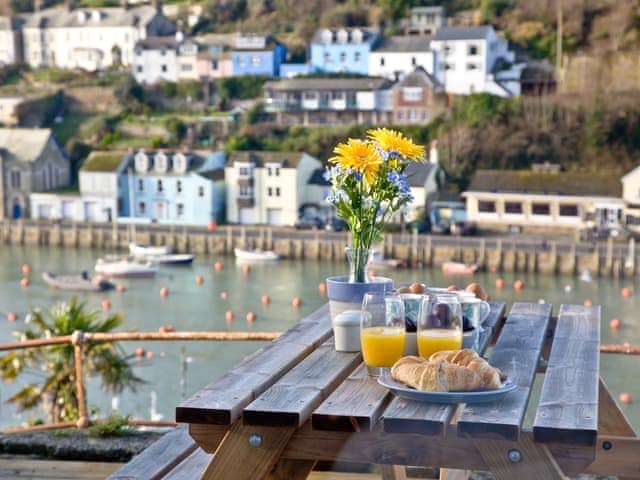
(439, 324)
(382, 331)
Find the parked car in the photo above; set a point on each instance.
(311, 223)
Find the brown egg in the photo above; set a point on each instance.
(416, 288)
(404, 290)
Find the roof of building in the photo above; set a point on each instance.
(11, 23)
(215, 174)
(103, 161)
(156, 43)
(462, 33)
(109, 17)
(302, 84)
(418, 78)
(418, 173)
(565, 183)
(368, 33)
(261, 158)
(437, 9)
(23, 144)
(404, 43)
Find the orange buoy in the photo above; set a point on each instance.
(169, 328)
(499, 283)
(626, 292)
(588, 302)
(149, 355)
(296, 302)
(106, 305)
(212, 225)
(493, 269)
(164, 292)
(26, 268)
(121, 288)
(246, 269)
(218, 266)
(322, 287)
(229, 315)
(518, 285)
(614, 324)
(266, 299)
(162, 329)
(625, 397)
(223, 295)
(251, 317)
(199, 280)
(140, 352)
(25, 282)
(12, 317)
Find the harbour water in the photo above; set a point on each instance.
(178, 369)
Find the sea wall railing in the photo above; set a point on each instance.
(78, 339)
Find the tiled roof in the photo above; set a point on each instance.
(216, 174)
(23, 144)
(260, 158)
(156, 43)
(302, 84)
(109, 17)
(418, 173)
(408, 43)
(317, 178)
(462, 33)
(418, 78)
(565, 183)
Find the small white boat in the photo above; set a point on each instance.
(256, 254)
(458, 268)
(378, 262)
(81, 282)
(125, 268)
(147, 251)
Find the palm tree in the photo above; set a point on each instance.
(58, 394)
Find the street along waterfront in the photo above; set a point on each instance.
(178, 369)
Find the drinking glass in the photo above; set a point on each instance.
(382, 331)
(439, 324)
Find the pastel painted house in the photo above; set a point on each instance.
(99, 198)
(417, 99)
(631, 198)
(269, 188)
(344, 50)
(31, 161)
(395, 57)
(174, 187)
(257, 55)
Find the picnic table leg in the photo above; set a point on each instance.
(453, 474)
(393, 472)
(248, 452)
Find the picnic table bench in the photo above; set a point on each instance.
(297, 401)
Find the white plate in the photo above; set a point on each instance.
(478, 396)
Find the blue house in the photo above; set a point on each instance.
(182, 188)
(257, 55)
(344, 50)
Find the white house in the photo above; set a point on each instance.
(475, 60)
(269, 187)
(166, 59)
(394, 57)
(99, 197)
(10, 40)
(425, 20)
(89, 38)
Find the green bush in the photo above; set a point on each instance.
(114, 425)
(239, 88)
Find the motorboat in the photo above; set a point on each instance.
(81, 282)
(378, 262)
(170, 259)
(125, 268)
(459, 268)
(144, 251)
(255, 254)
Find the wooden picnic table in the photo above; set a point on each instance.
(298, 401)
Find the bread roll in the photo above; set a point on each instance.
(491, 376)
(436, 376)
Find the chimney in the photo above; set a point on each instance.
(37, 6)
(433, 152)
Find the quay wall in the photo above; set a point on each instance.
(416, 250)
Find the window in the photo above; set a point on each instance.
(309, 95)
(277, 191)
(141, 208)
(382, 61)
(568, 210)
(139, 52)
(201, 191)
(472, 50)
(141, 185)
(139, 68)
(486, 206)
(356, 57)
(327, 57)
(180, 209)
(337, 95)
(412, 116)
(412, 94)
(255, 60)
(472, 66)
(269, 192)
(449, 66)
(277, 171)
(425, 115)
(244, 191)
(243, 171)
(343, 57)
(413, 61)
(186, 67)
(448, 49)
(513, 208)
(540, 209)
(163, 68)
(399, 115)
(242, 61)
(159, 186)
(15, 179)
(214, 64)
(179, 186)
(163, 52)
(269, 171)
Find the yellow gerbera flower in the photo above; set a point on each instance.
(394, 141)
(358, 155)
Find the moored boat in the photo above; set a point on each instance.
(81, 282)
(125, 268)
(378, 262)
(459, 268)
(255, 254)
(138, 250)
(171, 259)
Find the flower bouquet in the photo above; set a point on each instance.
(368, 185)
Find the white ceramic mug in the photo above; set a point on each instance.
(476, 311)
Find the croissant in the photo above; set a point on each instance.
(468, 358)
(422, 374)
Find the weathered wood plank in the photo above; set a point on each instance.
(491, 325)
(516, 353)
(159, 457)
(287, 469)
(191, 467)
(354, 406)
(619, 459)
(611, 420)
(568, 407)
(208, 437)
(221, 402)
(292, 399)
(28, 468)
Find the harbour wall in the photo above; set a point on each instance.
(551, 257)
